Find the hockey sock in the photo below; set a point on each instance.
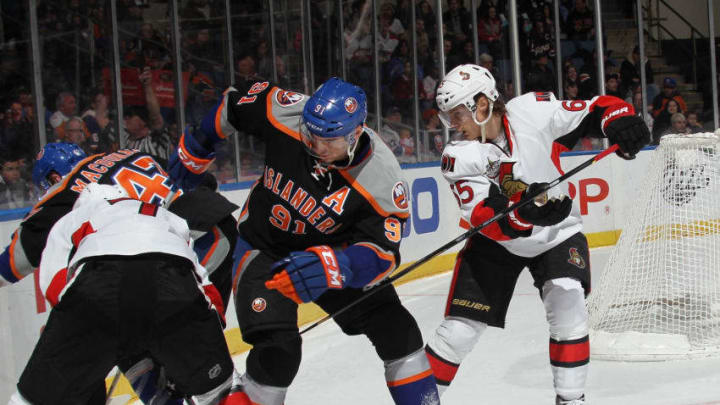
(411, 381)
(444, 370)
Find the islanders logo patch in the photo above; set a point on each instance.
(351, 105)
(400, 196)
(287, 98)
(259, 304)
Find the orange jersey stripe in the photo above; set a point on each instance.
(13, 268)
(218, 120)
(360, 189)
(410, 380)
(212, 248)
(272, 118)
(238, 270)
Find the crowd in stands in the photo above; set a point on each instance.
(77, 71)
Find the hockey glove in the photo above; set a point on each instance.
(544, 213)
(304, 276)
(623, 127)
(190, 160)
(505, 228)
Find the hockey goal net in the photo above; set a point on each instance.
(658, 298)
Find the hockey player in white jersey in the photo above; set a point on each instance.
(123, 279)
(506, 151)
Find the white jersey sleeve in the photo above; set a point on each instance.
(468, 167)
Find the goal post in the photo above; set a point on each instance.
(658, 297)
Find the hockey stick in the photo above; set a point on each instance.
(530, 197)
(113, 384)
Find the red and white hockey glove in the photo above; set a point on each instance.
(505, 228)
(621, 126)
(306, 275)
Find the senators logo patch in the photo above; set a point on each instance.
(576, 258)
(506, 179)
(258, 304)
(287, 98)
(351, 105)
(400, 196)
(465, 76)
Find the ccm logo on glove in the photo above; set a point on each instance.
(332, 269)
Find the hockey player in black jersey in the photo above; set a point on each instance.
(322, 223)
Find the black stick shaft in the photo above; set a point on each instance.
(530, 197)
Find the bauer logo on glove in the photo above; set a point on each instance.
(304, 276)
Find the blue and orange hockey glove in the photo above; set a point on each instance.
(190, 160)
(304, 276)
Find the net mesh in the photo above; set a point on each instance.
(659, 295)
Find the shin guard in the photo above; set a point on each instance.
(569, 343)
(411, 381)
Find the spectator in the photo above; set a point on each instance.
(96, 117)
(540, 77)
(668, 93)
(612, 84)
(490, 32)
(457, 22)
(662, 120)
(434, 131)
(693, 124)
(407, 144)
(540, 41)
(402, 89)
(645, 115)
(387, 41)
(75, 131)
(580, 25)
(144, 129)
(678, 125)
(452, 58)
(427, 15)
(245, 71)
(389, 133)
(15, 192)
(630, 74)
(429, 84)
(66, 108)
(16, 132)
(570, 90)
(571, 73)
(387, 15)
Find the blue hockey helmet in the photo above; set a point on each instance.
(334, 110)
(58, 157)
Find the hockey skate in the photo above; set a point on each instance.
(560, 401)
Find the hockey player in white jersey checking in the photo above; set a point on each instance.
(123, 279)
(506, 151)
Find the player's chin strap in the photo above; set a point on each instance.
(530, 197)
(485, 121)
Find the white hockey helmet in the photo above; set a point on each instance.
(94, 191)
(460, 86)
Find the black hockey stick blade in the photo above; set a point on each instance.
(530, 197)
